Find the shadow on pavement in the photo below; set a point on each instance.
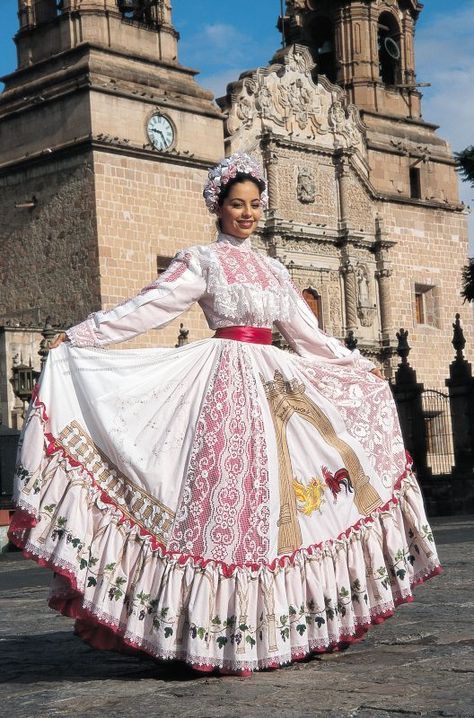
(448, 535)
(58, 656)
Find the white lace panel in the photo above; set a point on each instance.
(246, 288)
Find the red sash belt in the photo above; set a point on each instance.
(253, 335)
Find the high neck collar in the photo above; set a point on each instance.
(234, 241)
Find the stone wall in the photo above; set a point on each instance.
(147, 210)
(49, 251)
(391, 175)
(102, 225)
(430, 251)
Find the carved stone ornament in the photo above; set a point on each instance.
(365, 305)
(306, 189)
(283, 100)
(409, 148)
(312, 248)
(335, 319)
(293, 6)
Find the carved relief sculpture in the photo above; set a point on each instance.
(284, 100)
(365, 307)
(306, 190)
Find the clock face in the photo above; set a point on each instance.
(161, 132)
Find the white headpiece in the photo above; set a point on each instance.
(226, 170)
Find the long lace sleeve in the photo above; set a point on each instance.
(306, 338)
(155, 306)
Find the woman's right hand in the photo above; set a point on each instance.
(58, 339)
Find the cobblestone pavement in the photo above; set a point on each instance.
(419, 663)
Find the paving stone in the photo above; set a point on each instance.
(419, 663)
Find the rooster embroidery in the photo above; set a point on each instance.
(311, 497)
(336, 481)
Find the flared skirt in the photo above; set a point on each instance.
(227, 504)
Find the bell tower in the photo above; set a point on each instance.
(398, 214)
(49, 26)
(105, 141)
(366, 46)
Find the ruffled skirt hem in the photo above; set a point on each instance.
(175, 607)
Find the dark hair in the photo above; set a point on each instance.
(238, 179)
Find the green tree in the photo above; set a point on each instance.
(468, 281)
(465, 163)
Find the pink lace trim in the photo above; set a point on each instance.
(83, 334)
(250, 271)
(174, 271)
(215, 517)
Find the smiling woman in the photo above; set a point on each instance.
(240, 209)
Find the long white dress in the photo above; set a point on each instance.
(226, 503)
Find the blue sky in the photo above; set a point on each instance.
(221, 39)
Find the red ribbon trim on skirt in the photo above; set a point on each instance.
(252, 335)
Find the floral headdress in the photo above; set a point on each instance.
(225, 171)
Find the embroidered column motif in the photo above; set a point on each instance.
(136, 503)
(287, 398)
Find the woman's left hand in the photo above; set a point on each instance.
(58, 339)
(377, 373)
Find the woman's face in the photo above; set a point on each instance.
(241, 210)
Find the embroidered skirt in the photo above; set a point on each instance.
(228, 504)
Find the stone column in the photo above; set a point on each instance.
(270, 162)
(408, 60)
(25, 13)
(408, 54)
(360, 53)
(340, 47)
(350, 295)
(461, 399)
(165, 12)
(344, 187)
(383, 277)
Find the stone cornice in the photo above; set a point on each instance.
(58, 59)
(423, 203)
(399, 120)
(412, 152)
(384, 244)
(310, 147)
(321, 235)
(103, 143)
(20, 103)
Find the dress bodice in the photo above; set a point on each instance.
(243, 287)
(235, 286)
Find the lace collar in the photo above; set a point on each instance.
(229, 239)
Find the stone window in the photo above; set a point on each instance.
(138, 10)
(389, 49)
(320, 36)
(315, 304)
(426, 305)
(415, 183)
(419, 308)
(162, 263)
(44, 10)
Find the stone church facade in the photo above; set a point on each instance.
(105, 141)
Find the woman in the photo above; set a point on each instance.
(227, 503)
